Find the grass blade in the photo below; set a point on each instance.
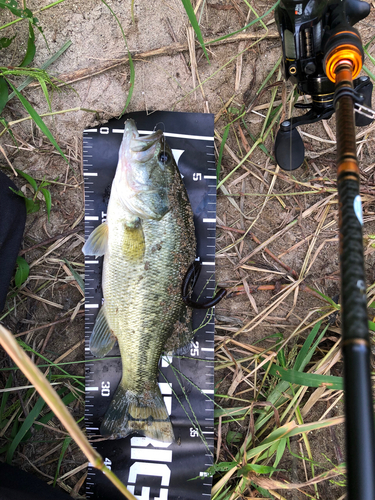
(12, 5)
(65, 445)
(45, 65)
(45, 92)
(31, 49)
(26, 347)
(42, 385)
(76, 276)
(290, 430)
(4, 399)
(3, 93)
(247, 25)
(5, 42)
(69, 398)
(307, 379)
(366, 70)
(306, 360)
(280, 451)
(37, 119)
(31, 205)
(222, 145)
(48, 200)
(193, 21)
(22, 272)
(327, 299)
(298, 365)
(29, 179)
(34, 413)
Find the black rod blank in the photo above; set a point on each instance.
(360, 436)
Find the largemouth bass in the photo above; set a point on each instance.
(148, 243)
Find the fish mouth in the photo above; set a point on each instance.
(140, 148)
(134, 180)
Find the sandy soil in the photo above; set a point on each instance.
(165, 81)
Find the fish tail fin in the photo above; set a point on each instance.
(144, 413)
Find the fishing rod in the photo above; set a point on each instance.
(323, 56)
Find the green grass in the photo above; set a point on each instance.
(258, 422)
(282, 398)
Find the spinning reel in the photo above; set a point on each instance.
(315, 35)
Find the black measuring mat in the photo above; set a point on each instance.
(150, 469)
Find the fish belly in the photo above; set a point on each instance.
(142, 297)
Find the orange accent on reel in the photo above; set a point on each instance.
(343, 54)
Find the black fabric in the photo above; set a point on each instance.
(12, 224)
(16, 484)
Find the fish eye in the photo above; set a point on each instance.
(164, 157)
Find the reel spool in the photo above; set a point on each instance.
(316, 36)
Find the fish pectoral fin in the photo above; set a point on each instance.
(97, 241)
(102, 338)
(134, 243)
(144, 413)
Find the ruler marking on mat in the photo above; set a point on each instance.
(171, 134)
(146, 466)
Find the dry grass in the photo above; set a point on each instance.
(277, 253)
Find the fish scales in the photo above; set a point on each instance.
(148, 244)
(150, 295)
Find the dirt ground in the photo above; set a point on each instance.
(164, 81)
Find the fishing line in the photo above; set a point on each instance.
(196, 423)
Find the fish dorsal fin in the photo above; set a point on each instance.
(102, 338)
(97, 241)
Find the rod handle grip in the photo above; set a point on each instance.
(353, 287)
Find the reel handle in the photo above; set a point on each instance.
(365, 88)
(289, 148)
